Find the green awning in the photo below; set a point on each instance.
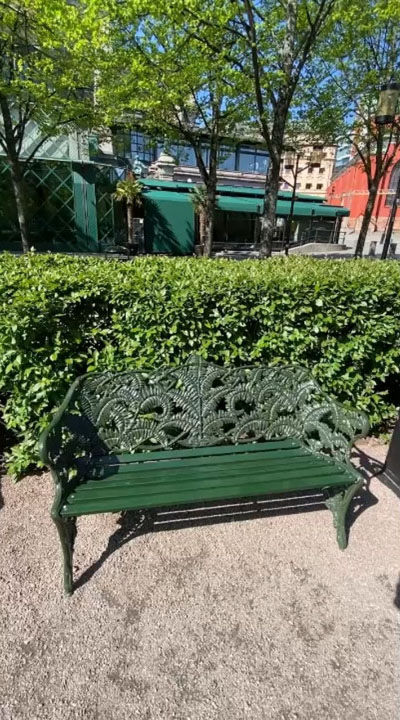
(169, 218)
(240, 204)
(168, 195)
(227, 190)
(301, 209)
(317, 210)
(259, 192)
(168, 222)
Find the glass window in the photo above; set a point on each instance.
(252, 159)
(206, 155)
(177, 150)
(319, 186)
(310, 169)
(394, 178)
(186, 156)
(93, 142)
(183, 154)
(308, 186)
(142, 147)
(321, 170)
(226, 158)
(235, 227)
(122, 144)
(261, 164)
(246, 159)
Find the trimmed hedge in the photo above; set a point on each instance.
(63, 316)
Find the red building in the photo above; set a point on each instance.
(349, 189)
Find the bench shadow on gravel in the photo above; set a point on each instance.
(132, 524)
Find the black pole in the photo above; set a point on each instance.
(336, 231)
(389, 228)
(292, 201)
(310, 224)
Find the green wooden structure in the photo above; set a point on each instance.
(195, 433)
(70, 207)
(169, 222)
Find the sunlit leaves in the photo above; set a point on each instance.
(48, 55)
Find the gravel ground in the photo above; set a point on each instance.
(263, 618)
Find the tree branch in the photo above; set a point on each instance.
(257, 73)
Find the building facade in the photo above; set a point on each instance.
(243, 164)
(344, 154)
(71, 207)
(349, 188)
(312, 179)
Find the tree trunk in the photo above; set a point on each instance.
(268, 218)
(129, 222)
(17, 177)
(211, 188)
(19, 195)
(208, 221)
(369, 208)
(199, 245)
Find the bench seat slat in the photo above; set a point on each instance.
(214, 479)
(156, 475)
(199, 494)
(131, 468)
(269, 446)
(161, 484)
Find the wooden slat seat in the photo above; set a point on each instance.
(155, 479)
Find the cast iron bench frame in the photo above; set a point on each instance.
(117, 432)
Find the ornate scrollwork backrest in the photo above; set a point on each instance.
(199, 403)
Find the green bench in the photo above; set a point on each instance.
(196, 433)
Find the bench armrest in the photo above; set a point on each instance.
(59, 442)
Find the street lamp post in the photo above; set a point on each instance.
(386, 115)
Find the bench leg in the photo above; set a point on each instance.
(338, 504)
(66, 527)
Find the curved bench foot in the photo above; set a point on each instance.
(338, 504)
(66, 527)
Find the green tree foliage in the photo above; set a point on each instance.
(271, 45)
(62, 316)
(46, 50)
(360, 54)
(159, 66)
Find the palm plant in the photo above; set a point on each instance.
(199, 200)
(130, 191)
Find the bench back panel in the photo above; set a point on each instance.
(198, 404)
